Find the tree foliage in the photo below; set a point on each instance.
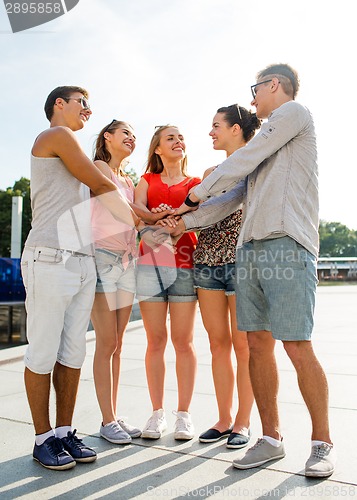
(337, 240)
(20, 188)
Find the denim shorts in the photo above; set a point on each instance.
(165, 284)
(215, 277)
(276, 285)
(111, 275)
(59, 298)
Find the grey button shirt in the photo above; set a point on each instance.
(278, 168)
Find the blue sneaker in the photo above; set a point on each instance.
(52, 455)
(77, 449)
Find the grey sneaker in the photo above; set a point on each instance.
(321, 462)
(155, 426)
(184, 429)
(259, 454)
(133, 432)
(114, 433)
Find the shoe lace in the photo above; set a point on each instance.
(257, 444)
(74, 440)
(182, 424)
(320, 450)
(154, 421)
(55, 447)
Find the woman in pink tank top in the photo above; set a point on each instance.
(115, 252)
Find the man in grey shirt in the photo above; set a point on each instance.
(276, 176)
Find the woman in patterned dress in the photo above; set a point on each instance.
(214, 274)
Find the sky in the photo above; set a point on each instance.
(153, 62)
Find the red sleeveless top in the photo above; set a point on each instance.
(159, 192)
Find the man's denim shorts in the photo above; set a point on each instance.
(165, 284)
(276, 287)
(111, 275)
(220, 278)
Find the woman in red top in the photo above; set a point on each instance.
(165, 283)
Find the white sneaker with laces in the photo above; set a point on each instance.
(113, 433)
(133, 432)
(155, 426)
(321, 462)
(184, 429)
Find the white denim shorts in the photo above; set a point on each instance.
(112, 275)
(60, 291)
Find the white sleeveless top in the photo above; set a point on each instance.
(60, 208)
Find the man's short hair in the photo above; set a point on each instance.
(64, 92)
(289, 77)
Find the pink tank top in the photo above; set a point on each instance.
(108, 232)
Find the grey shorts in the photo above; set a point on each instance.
(112, 275)
(165, 284)
(276, 284)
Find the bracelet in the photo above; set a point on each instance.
(191, 203)
(145, 230)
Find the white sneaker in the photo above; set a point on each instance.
(133, 432)
(155, 426)
(321, 462)
(113, 433)
(184, 429)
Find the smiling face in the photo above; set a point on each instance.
(264, 91)
(121, 140)
(172, 145)
(74, 112)
(221, 133)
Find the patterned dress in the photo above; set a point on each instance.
(217, 244)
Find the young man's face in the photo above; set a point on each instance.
(262, 96)
(77, 110)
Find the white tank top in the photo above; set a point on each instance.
(60, 208)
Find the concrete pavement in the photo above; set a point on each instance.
(169, 469)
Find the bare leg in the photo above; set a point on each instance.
(264, 379)
(215, 316)
(154, 316)
(182, 318)
(38, 395)
(65, 381)
(122, 317)
(245, 391)
(313, 386)
(109, 325)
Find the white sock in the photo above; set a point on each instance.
(61, 432)
(272, 441)
(110, 423)
(41, 438)
(316, 442)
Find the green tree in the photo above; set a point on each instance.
(133, 175)
(20, 188)
(337, 240)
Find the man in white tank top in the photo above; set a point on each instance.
(59, 273)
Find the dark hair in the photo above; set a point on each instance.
(288, 77)
(64, 92)
(154, 164)
(100, 151)
(247, 120)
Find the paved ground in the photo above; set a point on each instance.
(168, 469)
